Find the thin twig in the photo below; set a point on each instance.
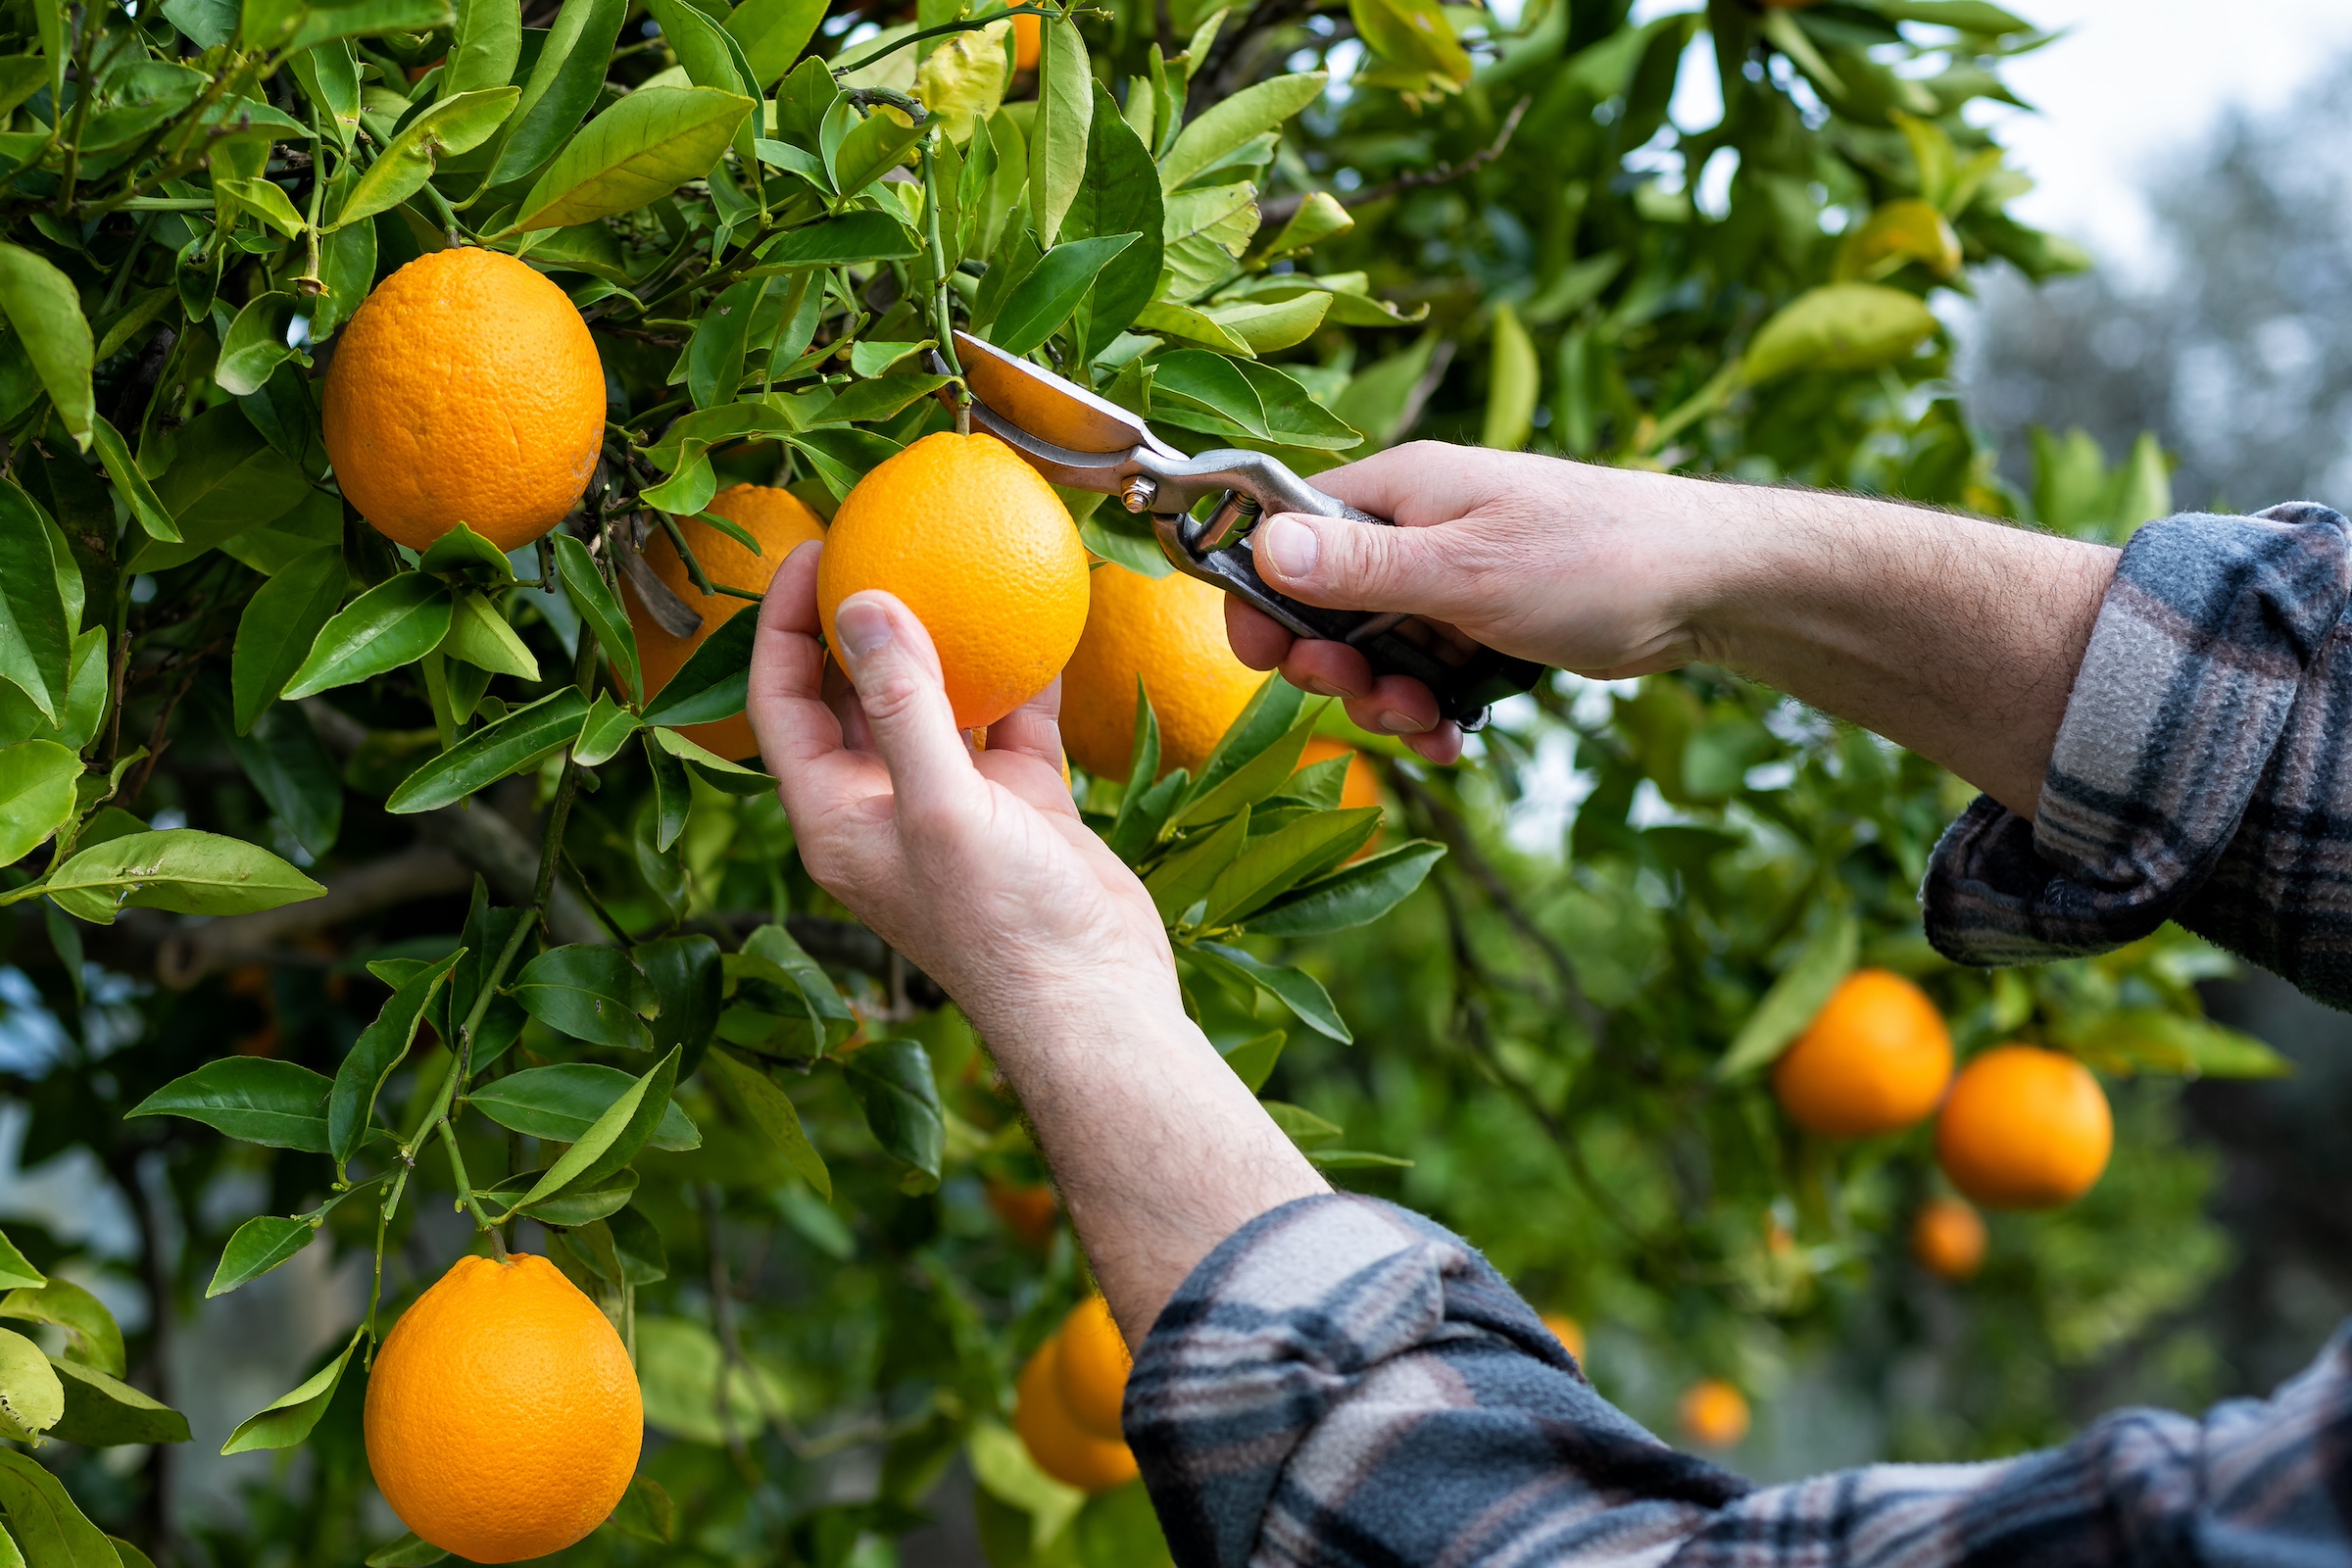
(1282, 209)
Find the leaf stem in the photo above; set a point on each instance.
(974, 25)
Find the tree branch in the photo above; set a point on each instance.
(1282, 209)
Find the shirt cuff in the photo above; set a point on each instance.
(2195, 661)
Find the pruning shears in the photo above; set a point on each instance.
(1085, 442)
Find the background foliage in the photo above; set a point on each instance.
(1375, 220)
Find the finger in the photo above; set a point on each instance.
(1032, 729)
(890, 659)
(1442, 745)
(786, 697)
(1258, 640)
(1347, 565)
(1397, 705)
(1325, 668)
(1394, 483)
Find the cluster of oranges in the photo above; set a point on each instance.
(1066, 1406)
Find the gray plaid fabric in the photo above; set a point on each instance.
(2203, 772)
(1347, 1385)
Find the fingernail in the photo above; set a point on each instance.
(1396, 723)
(1291, 545)
(1317, 686)
(862, 626)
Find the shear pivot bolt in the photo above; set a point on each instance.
(1139, 493)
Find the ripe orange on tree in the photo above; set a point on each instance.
(1092, 1370)
(2025, 1128)
(1568, 1331)
(780, 520)
(1948, 1238)
(1169, 632)
(503, 1418)
(979, 546)
(464, 389)
(1060, 1447)
(1713, 1414)
(1029, 1210)
(1028, 40)
(1875, 1060)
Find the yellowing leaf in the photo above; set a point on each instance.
(1840, 326)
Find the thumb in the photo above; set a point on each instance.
(890, 660)
(1342, 564)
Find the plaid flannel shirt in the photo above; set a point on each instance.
(1345, 1383)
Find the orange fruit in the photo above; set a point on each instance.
(1028, 1211)
(1948, 1238)
(1170, 631)
(502, 1419)
(1875, 1060)
(2025, 1128)
(1568, 1331)
(1713, 1414)
(779, 520)
(1092, 1370)
(1028, 38)
(466, 389)
(977, 545)
(1062, 1448)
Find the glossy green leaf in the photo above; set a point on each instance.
(37, 781)
(892, 1080)
(1251, 778)
(2138, 1040)
(714, 769)
(1059, 130)
(362, 18)
(1045, 299)
(773, 33)
(49, 1529)
(645, 1512)
(1282, 859)
(37, 634)
(1295, 989)
(279, 624)
(1827, 958)
(105, 1412)
(481, 636)
(226, 478)
(561, 1103)
(259, 1245)
(129, 483)
(638, 151)
(487, 43)
(612, 1139)
(875, 146)
(773, 1113)
(597, 606)
(42, 306)
(1513, 382)
(92, 1336)
(582, 1203)
(1838, 326)
(32, 1396)
(605, 732)
(490, 753)
(396, 623)
(253, 1098)
(1185, 877)
(1356, 895)
(180, 870)
(687, 977)
(289, 1420)
(563, 84)
(16, 1269)
(858, 236)
(380, 1047)
(591, 993)
(713, 684)
(455, 124)
(1232, 121)
(295, 775)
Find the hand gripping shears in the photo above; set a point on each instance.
(1085, 442)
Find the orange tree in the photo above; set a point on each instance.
(356, 847)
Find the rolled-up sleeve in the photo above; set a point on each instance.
(1345, 1385)
(2202, 773)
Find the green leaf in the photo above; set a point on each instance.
(289, 1421)
(490, 753)
(561, 1103)
(596, 605)
(264, 200)
(359, 20)
(1234, 120)
(1044, 300)
(813, 1017)
(259, 1245)
(714, 353)
(605, 731)
(892, 1080)
(380, 1047)
(2135, 1040)
(105, 1412)
(295, 775)
(1120, 196)
(1060, 129)
(37, 633)
(279, 624)
(1270, 718)
(1254, 779)
(129, 483)
(713, 684)
(179, 869)
(1281, 859)
(615, 1138)
(481, 636)
(1413, 34)
(565, 81)
(1356, 895)
(773, 33)
(41, 304)
(32, 1396)
(875, 146)
(1295, 989)
(226, 479)
(583, 1202)
(487, 45)
(859, 237)
(465, 554)
(455, 124)
(645, 1511)
(590, 993)
(407, 1553)
(253, 1098)
(1840, 326)
(634, 153)
(396, 623)
(1513, 382)
(1266, 326)
(688, 977)
(1827, 958)
(673, 793)
(714, 769)
(16, 1269)
(771, 1111)
(48, 1528)
(93, 1338)
(1185, 877)
(37, 781)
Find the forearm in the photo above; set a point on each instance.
(1160, 1151)
(1953, 636)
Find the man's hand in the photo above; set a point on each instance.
(1955, 637)
(976, 866)
(1480, 546)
